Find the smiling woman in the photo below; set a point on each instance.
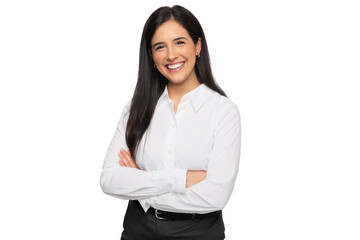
(174, 53)
(175, 153)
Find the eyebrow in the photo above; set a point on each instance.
(158, 43)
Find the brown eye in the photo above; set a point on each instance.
(159, 47)
(180, 42)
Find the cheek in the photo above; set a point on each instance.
(189, 53)
(158, 58)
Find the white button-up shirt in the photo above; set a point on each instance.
(203, 134)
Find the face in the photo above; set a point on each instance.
(174, 52)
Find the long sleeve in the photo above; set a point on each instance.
(131, 183)
(214, 192)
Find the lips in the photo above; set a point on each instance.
(175, 66)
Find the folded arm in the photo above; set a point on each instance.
(214, 192)
(133, 183)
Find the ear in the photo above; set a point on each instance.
(198, 46)
(150, 52)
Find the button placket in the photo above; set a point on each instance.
(173, 127)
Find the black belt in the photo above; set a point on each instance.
(164, 215)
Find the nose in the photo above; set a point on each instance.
(171, 54)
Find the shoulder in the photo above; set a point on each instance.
(221, 104)
(127, 106)
(125, 113)
(224, 110)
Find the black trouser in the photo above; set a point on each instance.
(139, 225)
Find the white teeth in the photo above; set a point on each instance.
(175, 66)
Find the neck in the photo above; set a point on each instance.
(177, 91)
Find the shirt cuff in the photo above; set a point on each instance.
(172, 180)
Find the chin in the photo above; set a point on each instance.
(176, 81)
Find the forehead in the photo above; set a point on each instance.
(168, 31)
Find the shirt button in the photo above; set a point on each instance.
(174, 125)
(169, 152)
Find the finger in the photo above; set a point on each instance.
(121, 163)
(122, 160)
(135, 165)
(125, 160)
(129, 160)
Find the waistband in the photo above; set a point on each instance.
(165, 215)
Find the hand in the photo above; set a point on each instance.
(126, 159)
(194, 176)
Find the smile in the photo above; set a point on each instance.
(175, 66)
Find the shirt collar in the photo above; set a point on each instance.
(196, 96)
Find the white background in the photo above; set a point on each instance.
(67, 69)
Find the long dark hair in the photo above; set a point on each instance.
(151, 83)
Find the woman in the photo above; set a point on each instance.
(175, 153)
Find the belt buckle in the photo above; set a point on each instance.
(156, 215)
